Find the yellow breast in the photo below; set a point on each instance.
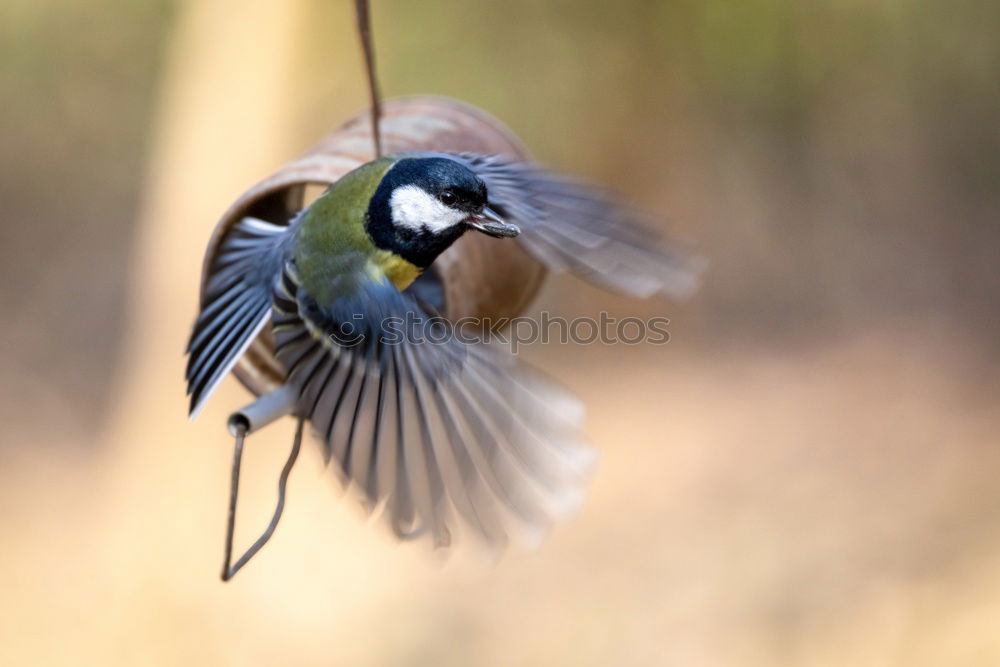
(395, 268)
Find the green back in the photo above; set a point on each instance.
(332, 246)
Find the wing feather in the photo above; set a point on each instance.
(448, 437)
(236, 306)
(569, 224)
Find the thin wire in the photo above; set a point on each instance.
(227, 571)
(368, 47)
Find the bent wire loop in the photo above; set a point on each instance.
(253, 417)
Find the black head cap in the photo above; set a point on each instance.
(452, 191)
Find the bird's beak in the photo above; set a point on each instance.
(489, 222)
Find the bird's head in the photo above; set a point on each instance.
(422, 205)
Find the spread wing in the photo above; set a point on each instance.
(568, 224)
(445, 432)
(236, 306)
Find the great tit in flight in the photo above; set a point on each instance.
(441, 434)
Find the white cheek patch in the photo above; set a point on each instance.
(412, 207)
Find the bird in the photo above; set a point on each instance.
(441, 434)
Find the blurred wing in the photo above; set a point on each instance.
(236, 306)
(445, 433)
(570, 225)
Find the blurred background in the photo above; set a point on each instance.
(806, 475)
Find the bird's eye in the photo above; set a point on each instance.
(448, 198)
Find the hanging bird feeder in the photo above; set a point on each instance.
(536, 464)
(458, 286)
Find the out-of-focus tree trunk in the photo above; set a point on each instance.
(226, 120)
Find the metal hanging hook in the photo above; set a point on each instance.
(368, 48)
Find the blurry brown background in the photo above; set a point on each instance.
(806, 475)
